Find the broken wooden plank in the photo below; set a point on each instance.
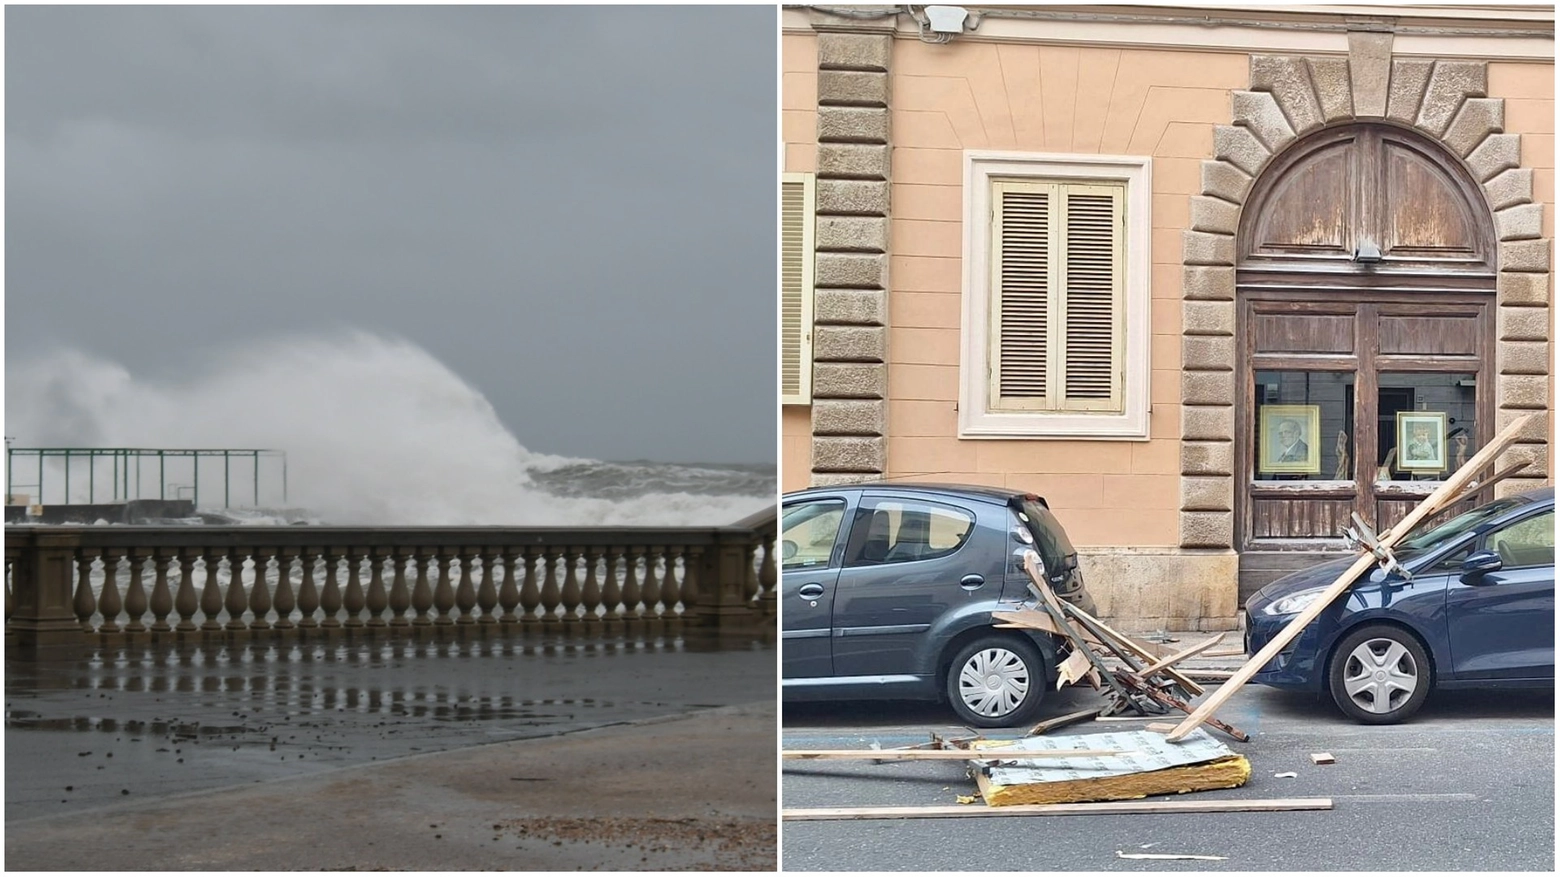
(1028, 618)
(991, 754)
(1178, 657)
(1059, 721)
(802, 814)
(1128, 644)
(1122, 855)
(1434, 502)
(1073, 669)
(1323, 758)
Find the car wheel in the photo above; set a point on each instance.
(996, 681)
(1379, 675)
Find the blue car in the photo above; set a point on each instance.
(1476, 611)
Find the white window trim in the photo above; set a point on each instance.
(976, 420)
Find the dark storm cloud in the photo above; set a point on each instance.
(573, 208)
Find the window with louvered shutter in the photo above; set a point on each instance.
(796, 288)
(1057, 311)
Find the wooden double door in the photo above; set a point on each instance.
(1354, 400)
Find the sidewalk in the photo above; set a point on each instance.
(685, 792)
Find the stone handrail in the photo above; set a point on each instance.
(175, 583)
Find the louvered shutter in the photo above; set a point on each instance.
(1057, 297)
(796, 288)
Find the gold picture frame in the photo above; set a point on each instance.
(1289, 440)
(1421, 441)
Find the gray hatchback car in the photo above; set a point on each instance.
(887, 592)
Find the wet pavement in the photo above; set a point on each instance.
(136, 724)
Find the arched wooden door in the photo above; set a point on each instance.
(1365, 298)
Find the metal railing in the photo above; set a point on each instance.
(126, 468)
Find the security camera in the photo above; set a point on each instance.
(946, 19)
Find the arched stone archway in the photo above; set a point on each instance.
(1290, 98)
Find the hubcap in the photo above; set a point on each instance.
(1380, 675)
(993, 682)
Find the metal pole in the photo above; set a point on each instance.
(257, 479)
(227, 501)
(92, 479)
(284, 478)
(162, 475)
(127, 474)
(40, 477)
(67, 477)
(195, 495)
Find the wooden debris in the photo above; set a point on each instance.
(801, 814)
(991, 754)
(1122, 855)
(1323, 758)
(1153, 767)
(1160, 727)
(1435, 502)
(1180, 656)
(1074, 668)
(1059, 721)
(1286, 775)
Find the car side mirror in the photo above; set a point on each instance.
(1479, 563)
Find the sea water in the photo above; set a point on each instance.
(377, 432)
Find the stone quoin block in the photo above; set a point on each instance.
(1451, 82)
(1224, 180)
(849, 380)
(1207, 529)
(849, 417)
(1536, 430)
(1478, 119)
(1535, 456)
(1207, 494)
(842, 479)
(1522, 222)
(849, 343)
(1208, 422)
(1214, 215)
(1524, 255)
(1522, 288)
(1509, 188)
(1259, 111)
(1207, 318)
(861, 161)
(853, 88)
(1497, 153)
(1333, 89)
(852, 125)
(851, 51)
(849, 453)
(1522, 323)
(851, 270)
(1208, 283)
(1409, 78)
(1289, 80)
(856, 233)
(1240, 147)
(1208, 353)
(1370, 72)
(1514, 486)
(1522, 358)
(1207, 458)
(1201, 248)
(1522, 391)
(854, 307)
(1207, 388)
(852, 198)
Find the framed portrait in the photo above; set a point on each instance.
(1289, 439)
(1421, 441)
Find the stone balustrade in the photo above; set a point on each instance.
(116, 584)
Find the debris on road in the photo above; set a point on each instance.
(1122, 855)
(1286, 775)
(1323, 758)
(1145, 765)
(812, 814)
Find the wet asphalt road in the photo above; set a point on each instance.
(1468, 785)
(142, 723)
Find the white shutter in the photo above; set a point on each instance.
(796, 288)
(1023, 265)
(1092, 298)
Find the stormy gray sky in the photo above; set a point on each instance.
(571, 208)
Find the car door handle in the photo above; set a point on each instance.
(810, 591)
(971, 582)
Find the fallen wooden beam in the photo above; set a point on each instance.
(802, 814)
(1059, 721)
(1178, 657)
(1431, 504)
(991, 754)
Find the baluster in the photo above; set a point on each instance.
(400, 596)
(487, 595)
(377, 598)
(570, 597)
(308, 595)
(185, 602)
(162, 597)
(354, 599)
(422, 594)
(85, 603)
(466, 593)
(530, 594)
(509, 594)
(612, 592)
(285, 601)
(693, 558)
(551, 593)
(590, 597)
(260, 592)
(330, 597)
(671, 590)
(135, 597)
(651, 589)
(211, 590)
(444, 592)
(237, 600)
(749, 574)
(767, 577)
(631, 584)
(109, 603)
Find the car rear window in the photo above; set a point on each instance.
(1050, 539)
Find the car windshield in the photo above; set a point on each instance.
(1050, 538)
(1427, 537)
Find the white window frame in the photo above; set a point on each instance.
(803, 396)
(977, 420)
